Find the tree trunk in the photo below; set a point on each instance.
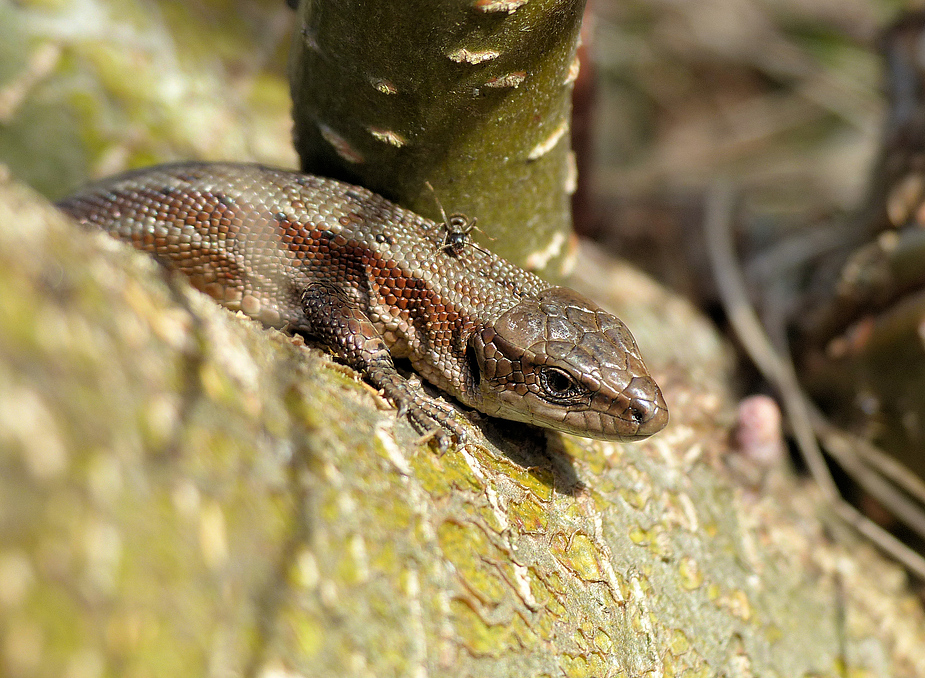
(473, 97)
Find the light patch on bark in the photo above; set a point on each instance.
(343, 147)
(549, 142)
(538, 260)
(466, 56)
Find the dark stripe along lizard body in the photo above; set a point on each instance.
(372, 282)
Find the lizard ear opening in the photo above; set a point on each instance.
(473, 362)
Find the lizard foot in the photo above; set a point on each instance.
(434, 419)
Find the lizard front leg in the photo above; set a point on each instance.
(338, 322)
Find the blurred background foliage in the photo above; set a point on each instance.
(781, 95)
(90, 87)
(784, 98)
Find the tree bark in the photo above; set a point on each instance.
(473, 97)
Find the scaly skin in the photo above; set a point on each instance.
(373, 282)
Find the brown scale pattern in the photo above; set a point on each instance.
(372, 281)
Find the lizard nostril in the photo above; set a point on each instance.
(647, 408)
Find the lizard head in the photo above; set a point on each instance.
(561, 362)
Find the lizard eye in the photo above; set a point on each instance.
(558, 384)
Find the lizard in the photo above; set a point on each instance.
(373, 282)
